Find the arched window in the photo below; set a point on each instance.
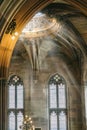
(57, 103)
(15, 103)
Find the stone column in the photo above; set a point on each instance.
(3, 104)
(84, 93)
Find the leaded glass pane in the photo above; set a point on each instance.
(11, 121)
(11, 96)
(62, 98)
(57, 101)
(15, 103)
(20, 96)
(53, 121)
(86, 100)
(53, 99)
(62, 121)
(19, 120)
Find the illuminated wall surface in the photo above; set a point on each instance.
(43, 64)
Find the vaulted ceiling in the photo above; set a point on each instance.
(69, 42)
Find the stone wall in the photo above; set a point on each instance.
(36, 91)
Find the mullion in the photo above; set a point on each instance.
(49, 104)
(66, 107)
(57, 106)
(15, 107)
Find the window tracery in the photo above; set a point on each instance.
(57, 103)
(15, 103)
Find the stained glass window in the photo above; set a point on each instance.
(57, 103)
(11, 96)
(62, 121)
(15, 103)
(19, 120)
(11, 121)
(20, 96)
(86, 99)
(61, 96)
(53, 121)
(53, 100)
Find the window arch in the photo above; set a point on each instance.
(15, 102)
(57, 103)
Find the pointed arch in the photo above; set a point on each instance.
(57, 103)
(15, 102)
